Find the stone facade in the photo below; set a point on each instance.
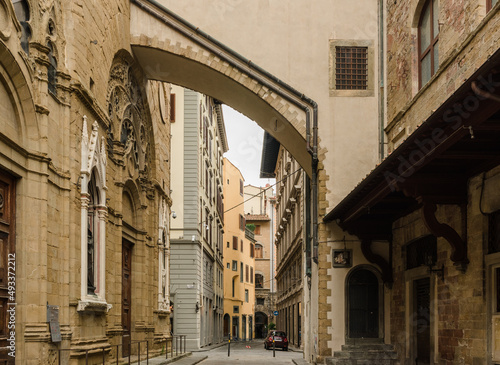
(85, 141)
(427, 216)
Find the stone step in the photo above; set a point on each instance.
(341, 361)
(364, 354)
(367, 354)
(363, 347)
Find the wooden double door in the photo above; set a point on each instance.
(126, 296)
(7, 265)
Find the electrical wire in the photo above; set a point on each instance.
(269, 187)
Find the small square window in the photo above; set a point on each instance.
(236, 309)
(351, 70)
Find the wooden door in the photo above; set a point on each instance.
(363, 305)
(126, 295)
(422, 323)
(7, 262)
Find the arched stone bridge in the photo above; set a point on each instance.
(170, 49)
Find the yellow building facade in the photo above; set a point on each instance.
(239, 260)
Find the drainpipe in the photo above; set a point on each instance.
(311, 104)
(381, 82)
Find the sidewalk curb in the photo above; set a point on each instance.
(208, 348)
(300, 362)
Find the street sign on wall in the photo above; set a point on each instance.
(275, 313)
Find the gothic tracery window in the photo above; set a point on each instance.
(22, 11)
(92, 234)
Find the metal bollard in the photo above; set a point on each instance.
(274, 348)
(229, 346)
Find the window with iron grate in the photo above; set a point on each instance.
(420, 252)
(351, 68)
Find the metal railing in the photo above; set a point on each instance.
(178, 342)
(177, 345)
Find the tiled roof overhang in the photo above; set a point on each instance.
(432, 166)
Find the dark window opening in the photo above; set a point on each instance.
(494, 232)
(351, 68)
(259, 281)
(422, 251)
(22, 11)
(52, 70)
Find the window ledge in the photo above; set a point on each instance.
(162, 312)
(93, 306)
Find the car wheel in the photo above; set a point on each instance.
(285, 348)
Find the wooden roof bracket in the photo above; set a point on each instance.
(366, 248)
(458, 245)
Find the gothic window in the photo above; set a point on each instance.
(22, 11)
(92, 234)
(93, 222)
(428, 36)
(52, 69)
(163, 256)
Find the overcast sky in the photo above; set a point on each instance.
(244, 137)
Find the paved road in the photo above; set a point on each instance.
(254, 355)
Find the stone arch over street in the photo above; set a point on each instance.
(169, 49)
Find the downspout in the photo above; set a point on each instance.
(313, 150)
(381, 82)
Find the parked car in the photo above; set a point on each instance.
(280, 340)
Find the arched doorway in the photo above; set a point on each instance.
(364, 307)
(260, 325)
(227, 321)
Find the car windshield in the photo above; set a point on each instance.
(278, 333)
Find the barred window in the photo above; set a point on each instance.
(422, 251)
(351, 68)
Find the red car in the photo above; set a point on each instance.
(280, 340)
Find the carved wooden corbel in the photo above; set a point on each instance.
(366, 248)
(458, 245)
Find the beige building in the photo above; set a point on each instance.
(198, 143)
(239, 260)
(311, 44)
(260, 212)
